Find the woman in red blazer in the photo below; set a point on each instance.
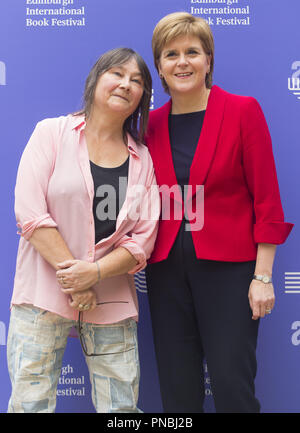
(210, 275)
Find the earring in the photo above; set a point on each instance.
(161, 76)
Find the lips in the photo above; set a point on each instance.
(122, 97)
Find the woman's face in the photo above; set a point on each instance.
(184, 65)
(120, 89)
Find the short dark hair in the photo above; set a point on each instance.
(136, 124)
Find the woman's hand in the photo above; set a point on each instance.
(84, 301)
(261, 298)
(76, 275)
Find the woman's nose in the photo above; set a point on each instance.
(182, 60)
(125, 84)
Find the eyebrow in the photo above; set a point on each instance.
(122, 67)
(188, 48)
(194, 48)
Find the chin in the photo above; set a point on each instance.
(185, 89)
(120, 107)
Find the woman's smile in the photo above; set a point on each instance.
(183, 75)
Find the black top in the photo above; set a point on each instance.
(184, 130)
(110, 192)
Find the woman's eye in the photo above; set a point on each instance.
(192, 52)
(171, 54)
(117, 73)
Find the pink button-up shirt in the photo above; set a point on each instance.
(55, 188)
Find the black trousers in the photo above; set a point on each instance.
(200, 309)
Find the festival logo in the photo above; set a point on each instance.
(70, 384)
(294, 80)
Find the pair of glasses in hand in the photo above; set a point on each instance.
(81, 335)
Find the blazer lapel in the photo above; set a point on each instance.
(208, 139)
(163, 160)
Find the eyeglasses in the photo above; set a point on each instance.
(81, 336)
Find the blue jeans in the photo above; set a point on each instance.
(35, 348)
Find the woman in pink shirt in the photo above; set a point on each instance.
(87, 207)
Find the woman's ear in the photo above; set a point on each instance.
(159, 71)
(208, 57)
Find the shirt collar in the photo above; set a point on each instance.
(132, 146)
(78, 123)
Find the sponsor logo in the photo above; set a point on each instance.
(2, 334)
(294, 80)
(292, 282)
(2, 74)
(140, 282)
(296, 335)
(152, 101)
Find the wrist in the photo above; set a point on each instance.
(93, 274)
(264, 278)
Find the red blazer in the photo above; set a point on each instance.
(234, 161)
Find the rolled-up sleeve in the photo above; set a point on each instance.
(35, 169)
(261, 177)
(140, 242)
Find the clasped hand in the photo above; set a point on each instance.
(76, 278)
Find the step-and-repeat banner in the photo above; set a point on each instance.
(47, 48)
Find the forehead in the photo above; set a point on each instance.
(183, 41)
(130, 66)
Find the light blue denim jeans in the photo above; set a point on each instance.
(35, 347)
